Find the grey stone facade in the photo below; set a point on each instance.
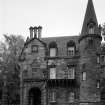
(37, 87)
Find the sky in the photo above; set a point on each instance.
(57, 17)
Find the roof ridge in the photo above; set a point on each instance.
(59, 37)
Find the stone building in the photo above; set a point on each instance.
(63, 70)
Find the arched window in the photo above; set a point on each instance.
(53, 49)
(71, 48)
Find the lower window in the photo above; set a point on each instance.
(52, 96)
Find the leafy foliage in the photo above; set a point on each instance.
(10, 50)
(103, 29)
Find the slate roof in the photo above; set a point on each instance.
(61, 43)
(90, 15)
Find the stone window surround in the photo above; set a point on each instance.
(71, 72)
(52, 96)
(52, 73)
(34, 48)
(84, 75)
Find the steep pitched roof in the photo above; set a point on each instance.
(61, 43)
(90, 15)
(60, 40)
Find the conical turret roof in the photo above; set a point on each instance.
(90, 15)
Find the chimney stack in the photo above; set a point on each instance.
(39, 31)
(35, 32)
(100, 29)
(31, 32)
(27, 39)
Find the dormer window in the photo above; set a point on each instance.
(91, 30)
(71, 48)
(53, 49)
(71, 51)
(91, 26)
(52, 52)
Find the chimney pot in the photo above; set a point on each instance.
(31, 32)
(35, 32)
(39, 31)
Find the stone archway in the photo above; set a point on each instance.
(34, 96)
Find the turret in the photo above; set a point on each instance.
(90, 34)
(89, 42)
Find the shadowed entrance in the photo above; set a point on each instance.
(34, 96)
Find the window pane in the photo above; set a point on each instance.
(52, 52)
(34, 48)
(52, 96)
(52, 73)
(84, 76)
(71, 50)
(102, 58)
(71, 73)
(91, 30)
(98, 59)
(98, 84)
